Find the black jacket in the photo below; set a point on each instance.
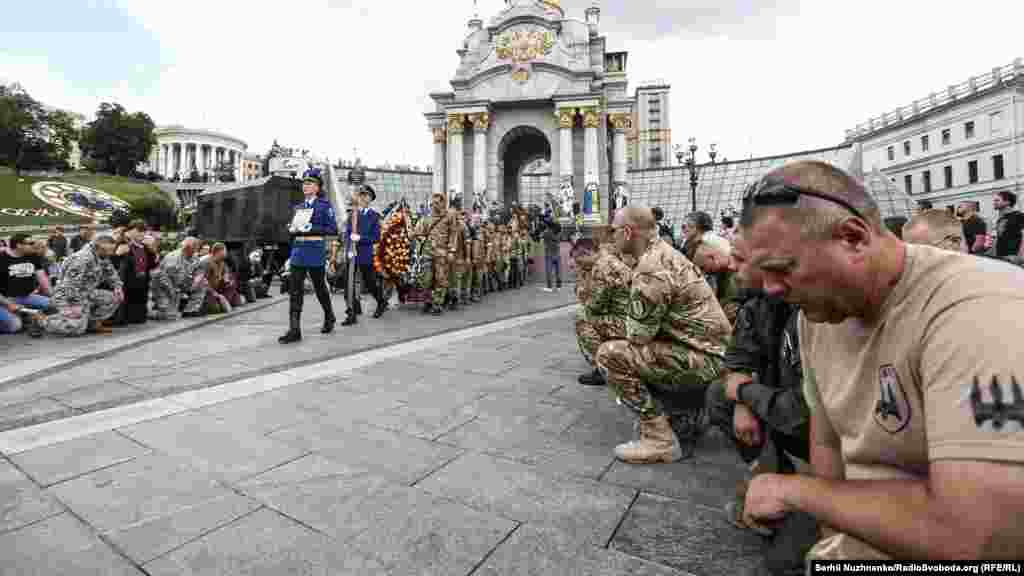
(765, 345)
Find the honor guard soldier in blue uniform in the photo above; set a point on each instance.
(368, 228)
(313, 226)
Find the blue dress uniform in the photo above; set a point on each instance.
(317, 226)
(368, 228)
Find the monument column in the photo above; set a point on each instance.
(566, 118)
(440, 136)
(481, 122)
(455, 155)
(591, 178)
(620, 123)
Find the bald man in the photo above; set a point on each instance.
(172, 279)
(936, 228)
(676, 336)
(713, 256)
(912, 375)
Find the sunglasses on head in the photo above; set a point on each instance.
(773, 191)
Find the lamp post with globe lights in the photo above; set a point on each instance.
(690, 161)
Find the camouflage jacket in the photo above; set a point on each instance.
(609, 284)
(671, 301)
(179, 268)
(440, 239)
(584, 271)
(83, 272)
(478, 246)
(460, 233)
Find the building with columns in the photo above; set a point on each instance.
(181, 150)
(962, 143)
(533, 84)
(252, 167)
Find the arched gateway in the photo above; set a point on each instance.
(533, 84)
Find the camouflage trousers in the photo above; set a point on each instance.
(166, 297)
(99, 305)
(197, 298)
(657, 378)
(476, 276)
(459, 281)
(592, 331)
(439, 280)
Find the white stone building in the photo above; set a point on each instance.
(181, 150)
(963, 143)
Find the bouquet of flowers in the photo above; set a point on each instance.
(392, 256)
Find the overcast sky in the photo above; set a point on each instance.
(758, 77)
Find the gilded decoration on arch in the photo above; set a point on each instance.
(481, 121)
(521, 46)
(566, 117)
(591, 119)
(455, 122)
(620, 121)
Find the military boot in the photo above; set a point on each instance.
(437, 310)
(657, 443)
(594, 378)
(428, 306)
(294, 333)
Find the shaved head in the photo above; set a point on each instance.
(818, 217)
(633, 230)
(639, 217)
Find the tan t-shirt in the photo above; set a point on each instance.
(898, 392)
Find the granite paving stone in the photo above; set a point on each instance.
(687, 536)
(230, 451)
(31, 412)
(21, 501)
(263, 413)
(539, 551)
(60, 545)
(519, 492)
(416, 533)
(151, 504)
(100, 395)
(492, 363)
(404, 458)
(53, 464)
(687, 479)
(253, 544)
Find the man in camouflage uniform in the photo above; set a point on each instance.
(437, 231)
(714, 258)
(603, 317)
(172, 279)
(477, 258)
(491, 257)
(81, 306)
(676, 336)
(458, 279)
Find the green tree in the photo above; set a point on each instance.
(118, 141)
(63, 135)
(23, 142)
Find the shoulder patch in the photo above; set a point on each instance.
(892, 410)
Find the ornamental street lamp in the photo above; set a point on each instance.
(690, 161)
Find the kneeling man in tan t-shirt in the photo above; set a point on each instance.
(913, 377)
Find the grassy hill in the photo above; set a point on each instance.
(18, 194)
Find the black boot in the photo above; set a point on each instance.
(351, 319)
(595, 378)
(328, 326)
(294, 333)
(427, 307)
(382, 307)
(436, 310)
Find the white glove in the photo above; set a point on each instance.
(351, 255)
(307, 227)
(355, 237)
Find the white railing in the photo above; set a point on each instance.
(995, 77)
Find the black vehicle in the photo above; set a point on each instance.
(251, 217)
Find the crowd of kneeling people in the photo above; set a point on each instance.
(95, 283)
(871, 385)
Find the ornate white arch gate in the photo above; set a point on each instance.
(533, 72)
